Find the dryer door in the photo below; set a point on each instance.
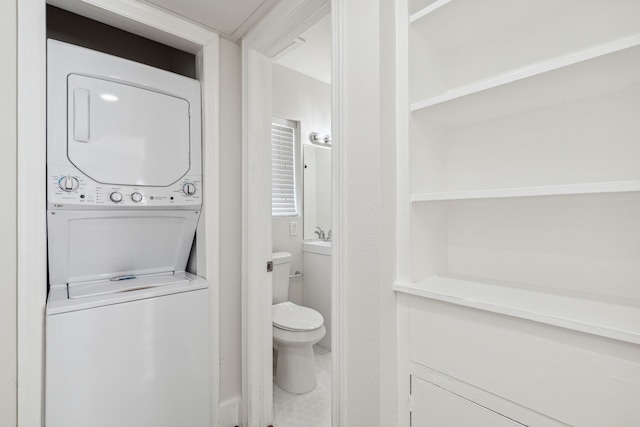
(126, 135)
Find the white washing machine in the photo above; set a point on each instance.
(127, 328)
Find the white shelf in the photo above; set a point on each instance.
(427, 10)
(552, 190)
(618, 322)
(573, 76)
(470, 19)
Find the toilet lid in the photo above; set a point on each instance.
(292, 317)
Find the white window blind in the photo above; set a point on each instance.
(283, 172)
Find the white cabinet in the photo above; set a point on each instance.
(530, 372)
(523, 161)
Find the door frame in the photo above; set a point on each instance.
(286, 21)
(144, 20)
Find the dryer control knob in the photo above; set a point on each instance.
(68, 183)
(189, 189)
(115, 197)
(136, 197)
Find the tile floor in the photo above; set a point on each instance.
(312, 409)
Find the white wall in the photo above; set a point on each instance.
(230, 219)
(306, 100)
(8, 243)
(368, 209)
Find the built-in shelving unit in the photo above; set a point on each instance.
(520, 101)
(519, 248)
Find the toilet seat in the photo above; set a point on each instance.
(293, 317)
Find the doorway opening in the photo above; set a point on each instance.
(301, 177)
(279, 30)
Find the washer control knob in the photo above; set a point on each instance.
(115, 197)
(68, 183)
(189, 189)
(136, 197)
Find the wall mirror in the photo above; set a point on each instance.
(317, 190)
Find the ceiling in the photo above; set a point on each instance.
(313, 57)
(233, 18)
(229, 18)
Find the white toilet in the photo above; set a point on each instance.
(295, 330)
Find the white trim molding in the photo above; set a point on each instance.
(32, 232)
(230, 413)
(338, 184)
(208, 249)
(143, 20)
(139, 19)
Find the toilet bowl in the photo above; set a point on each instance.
(295, 330)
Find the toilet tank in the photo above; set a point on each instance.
(281, 269)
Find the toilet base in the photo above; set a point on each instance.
(295, 367)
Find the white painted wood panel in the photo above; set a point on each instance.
(408, 368)
(434, 406)
(568, 376)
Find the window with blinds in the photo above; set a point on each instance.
(283, 171)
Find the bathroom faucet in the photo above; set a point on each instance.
(320, 233)
(328, 238)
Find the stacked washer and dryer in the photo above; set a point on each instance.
(127, 328)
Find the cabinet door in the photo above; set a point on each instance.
(432, 406)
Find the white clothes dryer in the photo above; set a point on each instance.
(120, 135)
(127, 335)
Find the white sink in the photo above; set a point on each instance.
(317, 247)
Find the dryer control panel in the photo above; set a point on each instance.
(67, 188)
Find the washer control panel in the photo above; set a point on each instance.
(68, 188)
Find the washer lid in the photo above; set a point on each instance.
(122, 134)
(99, 245)
(292, 317)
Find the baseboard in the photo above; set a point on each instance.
(230, 413)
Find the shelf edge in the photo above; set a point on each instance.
(427, 10)
(530, 71)
(570, 324)
(552, 190)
